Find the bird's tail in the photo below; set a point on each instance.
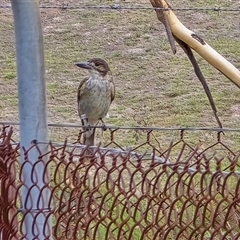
(88, 137)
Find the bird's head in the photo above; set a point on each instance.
(96, 66)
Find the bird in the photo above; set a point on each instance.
(95, 95)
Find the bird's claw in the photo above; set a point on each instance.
(104, 128)
(88, 128)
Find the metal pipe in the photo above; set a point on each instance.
(32, 116)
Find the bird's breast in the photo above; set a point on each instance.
(95, 99)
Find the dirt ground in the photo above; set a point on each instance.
(153, 86)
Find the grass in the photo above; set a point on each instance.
(145, 71)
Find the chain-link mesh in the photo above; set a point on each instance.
(184, 190)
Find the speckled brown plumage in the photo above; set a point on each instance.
(95, 94)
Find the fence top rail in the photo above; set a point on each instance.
(179, 166)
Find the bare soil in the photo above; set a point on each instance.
(153, 86)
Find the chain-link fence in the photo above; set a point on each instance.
(186, 190)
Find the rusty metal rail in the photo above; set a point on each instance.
(180, 189)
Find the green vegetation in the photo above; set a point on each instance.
(149, 79)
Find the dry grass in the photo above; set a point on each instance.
(154, 87)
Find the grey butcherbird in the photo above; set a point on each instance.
(95, 95)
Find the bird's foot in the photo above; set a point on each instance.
(104, 128)
(87, 128)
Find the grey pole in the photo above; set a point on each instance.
(33, 119)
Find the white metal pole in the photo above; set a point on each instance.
(32, 116)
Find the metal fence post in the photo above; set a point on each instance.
(32, 116)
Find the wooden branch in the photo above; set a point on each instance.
(200, 76)
(196, 43)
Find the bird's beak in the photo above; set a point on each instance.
(84, 65)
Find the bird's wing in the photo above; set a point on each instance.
(112, 88)
(88, 135)
(81, 88)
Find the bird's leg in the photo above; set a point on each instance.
(104, 128)
(85, 123)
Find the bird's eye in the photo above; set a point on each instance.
(96, 64)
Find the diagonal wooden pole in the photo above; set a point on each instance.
(195, 42)
(189, 40)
